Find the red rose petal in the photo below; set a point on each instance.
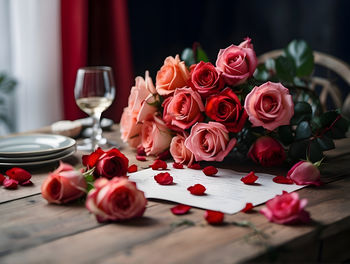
(180, 209)
(132, 168)
(210, 170)
(164, 178)
(197, 189)
(140, 158)
(10, 183)
(178, 165)
(159, 164)
(282, 180)
(2, 178)
(214, 217)
(26, 183)
(195, 166)
(141, 151)
(165, 155)
(18, 174)
(250, 178)
(248, 207)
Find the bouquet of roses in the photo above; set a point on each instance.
(234, 109)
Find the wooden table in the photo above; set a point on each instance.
(33, 231)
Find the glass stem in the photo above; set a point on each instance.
(95, 130)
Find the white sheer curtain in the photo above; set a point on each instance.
(31, 53)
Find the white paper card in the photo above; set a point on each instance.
(225, 192)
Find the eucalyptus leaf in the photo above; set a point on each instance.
(302, 56)
(201, 55)
(302, 112)
(303, 131)
(285, 134)
(315, 151)
(261, 73)
(188, 57)
(285, 69)
(325, 143)
(298, 149)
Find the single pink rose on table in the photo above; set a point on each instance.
(183, 109)
(209, 141)
(179, 152)
(173, 74)
(269, 105)
(156, 137)
(286, 209)
(130, 129)
(267, 151)
(305, 173)
(237, 63)
(63, 185)
(115, 200)
(206, 79)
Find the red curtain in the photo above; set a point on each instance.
(95, 33)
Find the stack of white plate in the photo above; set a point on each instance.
(35, 149)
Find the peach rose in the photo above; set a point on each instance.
(173, 74)
(237, 63)
(269, 105)
(209, 141)
(63, 185)
(130, 130)
(137, 95)
(156, 137)
(183, 109)
(115, 200)
(179, 152)
(148, 108)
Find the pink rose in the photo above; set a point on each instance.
(179, 152)
(63, 185)
(148, 108)
(183, 109)
(305, 173)
(205, 78)
(137, 95)
(269, 105)
(286, 209)
(156, 136)
(173, 74)
(209, 141)
(267, 151)
(130, 130)
(237, 63)
(115, 200)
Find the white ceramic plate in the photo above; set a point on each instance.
(33, 145)
(36, 163)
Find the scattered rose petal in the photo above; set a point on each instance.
(195, 166)
(180, 209)
(210, 170)
(250, 178)
(197, 189)
(10, 183)
(159, 164)
(140, 158)
(178, 165)
(2, 178)
(18, 174)
(248, 207)
(164, 178)
(26, 183)
(141, 151)
(282, 180)
(165, 155)
(132, 168)
(214, 217)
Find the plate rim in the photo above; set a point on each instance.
(71, 143)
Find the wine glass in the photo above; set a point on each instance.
(94, 92)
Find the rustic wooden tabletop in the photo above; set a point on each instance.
(33, 231)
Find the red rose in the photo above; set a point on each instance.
(108, 164)
(267, 151)
(115, 200)
(206, 80)
(226, 108)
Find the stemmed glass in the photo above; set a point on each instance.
(94, 92)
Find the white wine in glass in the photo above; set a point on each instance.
(94, 92)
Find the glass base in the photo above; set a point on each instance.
(87, 144)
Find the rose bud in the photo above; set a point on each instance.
(108, 164)
(115, 200)
(286, 209)
(267, 151)
(305, 173)
(63, 185)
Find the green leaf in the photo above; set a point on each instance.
(325, 143)
(285, 69)
(314, 151)
(302, 112)
(303, 131)
(301, 54)
(182, 222)
(261, 73)
(201, 55)
(285, 134)
(298, 150)
(270, 65)
(188, 57)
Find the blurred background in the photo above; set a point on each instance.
(44, 42)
